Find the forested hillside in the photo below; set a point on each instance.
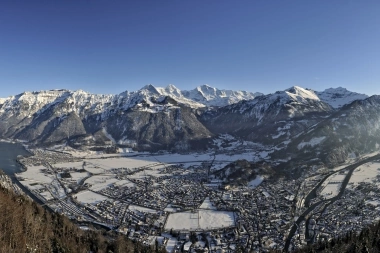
(365, 241)
(27, 227)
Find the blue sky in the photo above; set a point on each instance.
(113, 46)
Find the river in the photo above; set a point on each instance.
(312, 195)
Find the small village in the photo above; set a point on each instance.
(180, 207)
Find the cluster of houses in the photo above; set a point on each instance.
(43, 156)
(356, 209)
(264, 214)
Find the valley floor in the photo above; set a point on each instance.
(174, 199)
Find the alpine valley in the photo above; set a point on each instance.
(204, 170)
(293, 124)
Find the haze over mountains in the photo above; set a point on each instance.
(329, 125)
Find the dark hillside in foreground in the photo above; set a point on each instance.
(365, 241)
(27, 227)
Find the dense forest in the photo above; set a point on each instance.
(365, 241)
(27, 227)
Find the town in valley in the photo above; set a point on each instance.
(186, 203)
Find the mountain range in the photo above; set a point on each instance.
(330, 125)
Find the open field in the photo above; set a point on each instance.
(331, 187)
(100, 182)
(365, 173)
(200, 220)
(89, 197)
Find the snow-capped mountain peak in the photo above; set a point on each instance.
(338, 97)
(171, 89)
(300, 94)
(211, 96)
(34, 101)
(155, 117)
(150, 89)
(201, 96)
(206, 90)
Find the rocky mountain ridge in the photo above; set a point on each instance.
(293, 121)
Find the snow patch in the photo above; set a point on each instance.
(314, 141)
(256, 182)
(338, 97)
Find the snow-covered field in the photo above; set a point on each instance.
(256, 182)
(365, 173)
(125, 183)
(121, 162)
(36, 178)
(135, 208)
(100, 163)
(77, 176)
(331, 190)
(331, 186)
(100, 182)
(93, 168)
(101, 171)
(35, 174)
(201, 219)
(89, 197)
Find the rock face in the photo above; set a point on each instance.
(330, 125)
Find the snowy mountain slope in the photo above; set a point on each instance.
(265, 118)
(293, 102)
(53, 116)
(151, 116)
(168, 118)
(354, 129)
(84, 103)
(30, 102)
(159, 93)
(210, 96)
(338, 97)
(202, 96)
(278, 116)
